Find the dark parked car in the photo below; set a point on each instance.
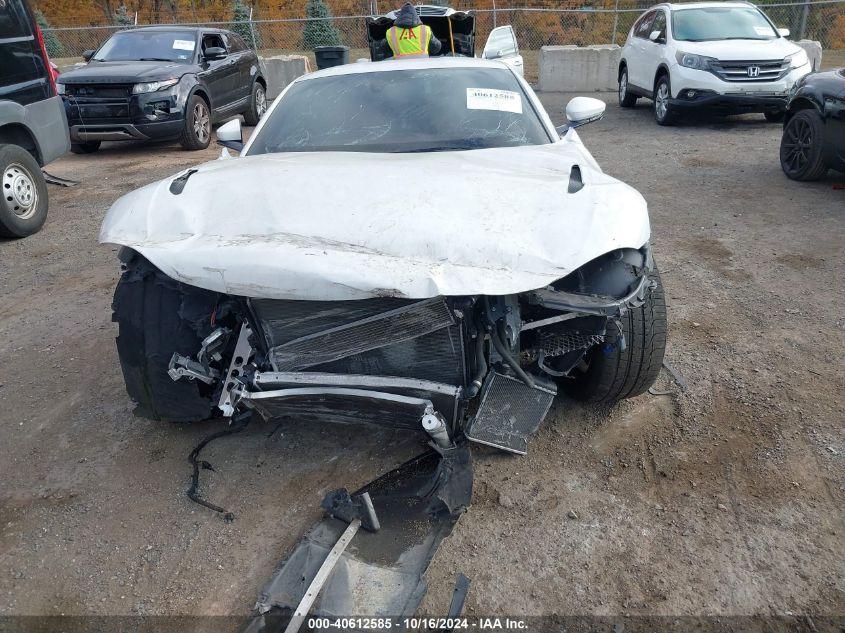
(814, 132)
(33, 129)
(162, 82)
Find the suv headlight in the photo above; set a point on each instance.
(153, 86)
(698, 62)
(798, 59)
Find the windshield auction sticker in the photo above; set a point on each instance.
(183, 45)
(490, 99)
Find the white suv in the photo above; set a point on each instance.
(726, 55)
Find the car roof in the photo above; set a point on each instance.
(175, 27)
(702, 5)
(360, 68)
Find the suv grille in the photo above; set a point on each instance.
(753, 71)
(108, 91)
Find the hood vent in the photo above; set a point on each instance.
(576, 184)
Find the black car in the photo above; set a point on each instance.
(33, 130)
(162, 83)
(814, 131)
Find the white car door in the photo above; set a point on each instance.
(636, 55)
(502, 45)
(653, 47)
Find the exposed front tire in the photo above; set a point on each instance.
(23, 207)
(626, 99)
(257, 104)
(88, 147)
(156, 317)
(612, 373)
(664, 113)
(801, 146)
(196, 134)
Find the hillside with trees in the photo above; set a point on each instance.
(824, 21)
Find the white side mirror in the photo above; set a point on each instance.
(583, 110)
(230, 135)
(654, 36)
(783, 32)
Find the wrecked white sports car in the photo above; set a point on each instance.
(410, 243)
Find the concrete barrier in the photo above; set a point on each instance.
(579, 68)
(280, 70)
(814, 52)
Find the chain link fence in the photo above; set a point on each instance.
(821, 20)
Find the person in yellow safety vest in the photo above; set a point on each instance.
(408, 37)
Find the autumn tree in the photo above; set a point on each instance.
(319, 30)
(51, 43)
(122, 17)
(243, 25)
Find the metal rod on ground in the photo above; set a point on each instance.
(322, 576)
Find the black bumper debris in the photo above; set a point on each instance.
(380, 574)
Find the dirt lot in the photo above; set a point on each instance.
(724, 500)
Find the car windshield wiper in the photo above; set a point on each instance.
(155, 59)
(440, 148)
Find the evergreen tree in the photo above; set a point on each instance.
(243, 26)
(319, 32)
(122, 17)
(51, 42)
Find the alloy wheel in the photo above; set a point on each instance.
(202, 123)
(623, 86)
(797, 145)
(260, 101)
(661, 101)
(20, 191)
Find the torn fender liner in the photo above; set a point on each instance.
(381, 573)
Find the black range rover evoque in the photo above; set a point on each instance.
(163, 82)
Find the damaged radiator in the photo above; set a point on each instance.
(379, 330)
(372, 341)
(375, 337)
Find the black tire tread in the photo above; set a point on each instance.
(817, 166)
(630, 99)
(10, 226)
(630, 372)
(147, 310)
(669, 119)
(187, 139)
(251, 115)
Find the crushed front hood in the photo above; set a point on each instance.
(345, 225)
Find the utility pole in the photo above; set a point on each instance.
(494, 14)
(615, 22)
(252, 30)
(804, 14)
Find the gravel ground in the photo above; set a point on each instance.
(724, 500)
